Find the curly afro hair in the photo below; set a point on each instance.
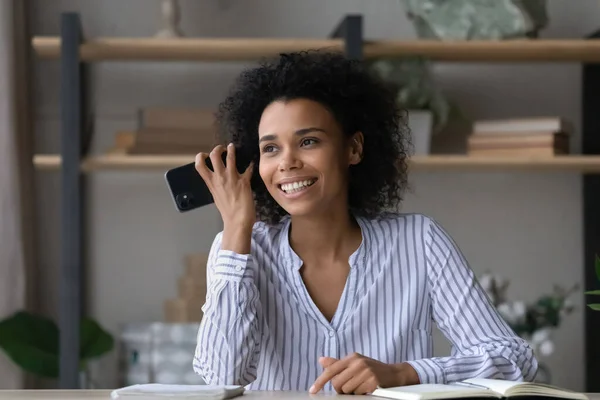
(358, 101)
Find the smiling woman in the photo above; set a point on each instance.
(312, 284)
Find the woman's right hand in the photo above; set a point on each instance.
(232, 194)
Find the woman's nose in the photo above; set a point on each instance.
(289, 161)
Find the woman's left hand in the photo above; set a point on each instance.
(357, 374)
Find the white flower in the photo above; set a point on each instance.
(540, 336)
(507, 313)
(486, 282)
(512, 312)
(519, 309)
(547, 348)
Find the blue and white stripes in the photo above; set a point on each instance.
(261, 329)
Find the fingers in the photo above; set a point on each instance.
(330, 371)
(367, 386)
(215, 158)
(355, 382)
(230, 164)
(344, 377)
(248, 172)
(327, 361)
(202, 168)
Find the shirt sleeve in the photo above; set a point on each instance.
(228, 337)
(483, 345)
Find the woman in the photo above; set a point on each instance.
(312, 284)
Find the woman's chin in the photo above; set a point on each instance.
(300, 209)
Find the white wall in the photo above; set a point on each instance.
(525, 226)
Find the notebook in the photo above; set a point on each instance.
(477, 387)
(175, 392)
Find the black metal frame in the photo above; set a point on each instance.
(351, 30)
(76, 138)
(590, 119)
(72, 140)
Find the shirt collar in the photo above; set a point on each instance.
(295, 262)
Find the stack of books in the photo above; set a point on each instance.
(169, 131)
(536, 136)
(191, 292)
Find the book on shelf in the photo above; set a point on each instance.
(517, 152)
(169, 131)
(163, 141)
(177, 118)
(522, 126)
(191, 291)
(536, 137)
(478, 388)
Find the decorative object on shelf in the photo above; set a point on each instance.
(191, 291)
(32, 342)
(162, 351)
(170, 13)
(533, 322)
(477, 19)
(169, 131)
(428, 108)
(595, 306)
(158, 352)
(534, 136)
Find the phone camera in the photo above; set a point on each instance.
(185, 200)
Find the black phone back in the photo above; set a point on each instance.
(187, 187)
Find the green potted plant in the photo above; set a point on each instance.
(534, 321)
(429, 110)
(595, 306)
(32, 342)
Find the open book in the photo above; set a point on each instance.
(477, 387)
(187, 392)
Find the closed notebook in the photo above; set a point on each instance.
(473, 388)
(173, 392)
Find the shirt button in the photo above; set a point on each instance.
(238, 268)
(331, 333)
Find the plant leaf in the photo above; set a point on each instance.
(31, 341)
(95, 341)
(32, 359)
(593, 292)
(595, 307)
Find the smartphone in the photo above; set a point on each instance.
(187, 187)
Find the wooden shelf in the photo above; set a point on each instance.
(571, 163)
(240, 49)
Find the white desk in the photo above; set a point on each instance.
(105, 394)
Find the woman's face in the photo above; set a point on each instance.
(304, 157)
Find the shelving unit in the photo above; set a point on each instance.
(74, 52)
(442, 163)
(243, 49)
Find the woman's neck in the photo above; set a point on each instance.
(325, 239)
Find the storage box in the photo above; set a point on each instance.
(158, 352)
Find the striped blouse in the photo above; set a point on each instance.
(262, 330)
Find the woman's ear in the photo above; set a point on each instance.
(356, 148)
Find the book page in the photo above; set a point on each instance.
(511, 388)
(497, 385)
(432, 391)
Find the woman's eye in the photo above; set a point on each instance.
(268, 148)
(308, 142)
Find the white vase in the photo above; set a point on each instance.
(170, 16)
(420, 123)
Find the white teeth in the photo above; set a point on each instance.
(297, 186)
